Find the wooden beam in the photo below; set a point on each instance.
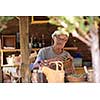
(40, 22)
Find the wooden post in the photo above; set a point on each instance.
(24, 46)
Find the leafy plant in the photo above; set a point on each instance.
(70, 23)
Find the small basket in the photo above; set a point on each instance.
(73, 78)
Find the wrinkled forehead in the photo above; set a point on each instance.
(62, 36)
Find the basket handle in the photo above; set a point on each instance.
(57, 63)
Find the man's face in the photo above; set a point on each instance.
(60, 40)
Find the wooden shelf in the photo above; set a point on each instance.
(71, 48)
(40, 22)
(9, 50)
(35, 49)
(7, 65)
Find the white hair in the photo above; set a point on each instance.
(59, 32)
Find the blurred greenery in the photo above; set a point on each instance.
(3, 21)
(70, 23)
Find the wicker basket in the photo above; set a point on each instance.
(73, 78)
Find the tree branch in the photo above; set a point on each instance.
(75, 34)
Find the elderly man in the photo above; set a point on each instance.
(56, 51)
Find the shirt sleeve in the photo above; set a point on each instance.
(69, 56)
(40, 56)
